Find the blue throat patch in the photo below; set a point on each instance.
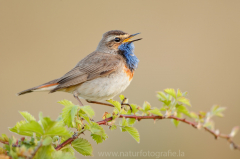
(131, 59)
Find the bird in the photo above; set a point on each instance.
(102, 74)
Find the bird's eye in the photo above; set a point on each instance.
(117, 39)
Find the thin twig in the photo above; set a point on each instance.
(68, 141)
(7, 143)
(193, 124)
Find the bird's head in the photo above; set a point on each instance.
(112, 40)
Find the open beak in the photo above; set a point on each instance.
(131, 36)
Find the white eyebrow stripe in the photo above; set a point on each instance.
(111, 38)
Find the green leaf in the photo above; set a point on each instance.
(183, 109)
(55, 138)
(106, 115)
(13, 154)
(176, 122)
(62, 155)
(146, 106)
(115, 111)
(96, 129)
(184, 101)
(44, 152)
(131, 121)
(155, 111)
(133, 132)
(162, 96)
(214, 108)
(124, 122)
(4, 138)
(23, 149)
(163, 108)
(115, 104)
(68, 114)
(46, 122)
(68, 149)
(66, 103)
(202, 114)
(217, 110)
(179, 93)
(194, 115)
(7, 147)
(47, 141)
(56, 129)
(184, 94)
(73, 112)
(171, 92)
(85, 117)
(15, 129)
(3, 151)
(97, 132)
(88, 110)
(166, 99)
(31, 127)
(123, 112)
(167, 102)
(234, 131)
(12, 141)
(209, 124)
(121, 97)
(53, 128)
(113, 127)
(134, 108)
(28, 117)
(98, 138)
(82, 146)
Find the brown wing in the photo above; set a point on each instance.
(94, 65)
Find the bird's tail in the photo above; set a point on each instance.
(44, 87)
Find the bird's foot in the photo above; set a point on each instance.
(110, 105)
(123, 103)
(76, 96)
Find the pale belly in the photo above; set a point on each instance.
(103, 88)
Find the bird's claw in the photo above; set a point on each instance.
(122, 104)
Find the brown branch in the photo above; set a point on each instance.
(68, 141)
(7, 143)
(224, 136)
(105, 121)
(193, 124)
(4, 142)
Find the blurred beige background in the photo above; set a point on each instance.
(191, 45)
